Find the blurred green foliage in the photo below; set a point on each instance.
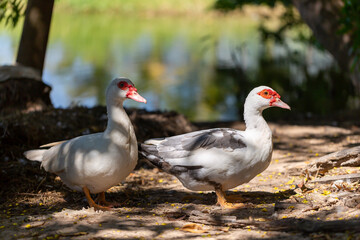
(11, 11)
(136, 7)
(349, 21)
(310, 92)
(174, 63)
(178, 61)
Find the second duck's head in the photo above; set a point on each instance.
(121, 89)
(264, 97)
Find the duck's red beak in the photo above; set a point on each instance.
(133, 94)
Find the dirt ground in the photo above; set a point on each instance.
(154, 204)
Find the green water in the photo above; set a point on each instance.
(190, 64)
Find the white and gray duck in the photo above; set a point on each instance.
(94, 163)
(222, 158)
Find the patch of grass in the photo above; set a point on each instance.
(136, 6)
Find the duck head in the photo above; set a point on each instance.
(121, 89)
(264, 97)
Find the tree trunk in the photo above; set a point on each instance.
(35, 34)
(322, 16)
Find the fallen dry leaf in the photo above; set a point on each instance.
(193, 228)
(225, 229)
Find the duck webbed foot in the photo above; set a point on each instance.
(224, 201)
(92, 203)
(100, 199)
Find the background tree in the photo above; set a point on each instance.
(26, 76)
(34, 38)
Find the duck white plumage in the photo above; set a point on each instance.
(93, 163)
(222, 158)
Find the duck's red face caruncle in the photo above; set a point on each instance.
(131, 91)
(274, 98)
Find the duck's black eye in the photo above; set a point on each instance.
(266, 93)
(122, 85)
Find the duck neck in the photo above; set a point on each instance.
(254, 120)
(118, 120)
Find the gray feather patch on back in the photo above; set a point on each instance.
(183, 145)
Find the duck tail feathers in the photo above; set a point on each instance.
(35, 155)
(149, 152)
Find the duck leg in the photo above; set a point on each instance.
(92, 203)
(101, 200)
(236, 198)
(223, 201)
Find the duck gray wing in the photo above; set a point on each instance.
(159, 151)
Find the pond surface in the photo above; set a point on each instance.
(191, 64)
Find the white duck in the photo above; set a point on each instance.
(221, 158)
(94, 163)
